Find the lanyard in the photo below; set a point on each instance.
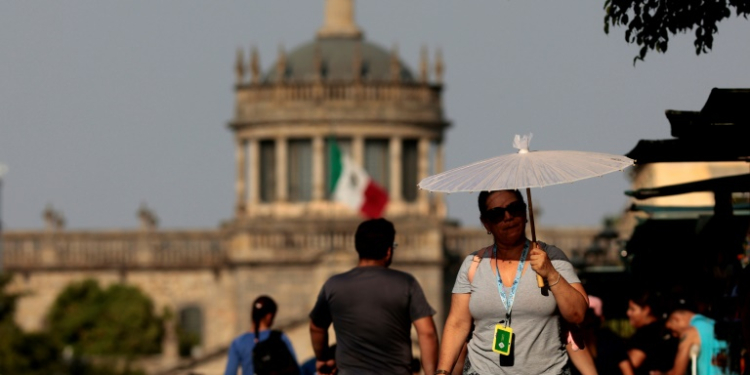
(508, 301)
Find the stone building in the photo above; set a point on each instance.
(287, 235)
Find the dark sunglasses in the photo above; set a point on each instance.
(497, 214)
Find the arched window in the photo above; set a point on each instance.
(190, 331)
(409, 173)
(299, 169)
(377, 161)
(267, 173)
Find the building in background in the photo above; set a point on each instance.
(287, 235)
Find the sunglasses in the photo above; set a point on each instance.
(497, 214)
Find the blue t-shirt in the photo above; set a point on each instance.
(710, 346)
(241, 352)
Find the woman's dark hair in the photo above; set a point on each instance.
(482, 199)
(373, 238)
(649, 298)
(262, 306)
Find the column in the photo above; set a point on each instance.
(318, 179)
(423, 164)
(358, 147)
(254, 169)
(240, 185)
(281, 166)
(394, 194)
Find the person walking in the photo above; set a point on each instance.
(518, 327)
(278, 351)
(372, 309)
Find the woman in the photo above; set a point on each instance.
(242, 348)
(512, 299)
(651, 348)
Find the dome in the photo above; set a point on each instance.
(337, 62)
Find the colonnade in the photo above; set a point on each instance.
(248, 167)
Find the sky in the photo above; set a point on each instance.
(105, 106)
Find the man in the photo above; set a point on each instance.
(696, 333)
(372, 309)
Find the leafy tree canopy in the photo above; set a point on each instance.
(117, 321)
(650, 22)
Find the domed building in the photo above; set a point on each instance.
(338, 88)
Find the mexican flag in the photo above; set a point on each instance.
(352, 186)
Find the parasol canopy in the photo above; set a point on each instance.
(525, 169)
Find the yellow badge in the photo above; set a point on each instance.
(503, 339)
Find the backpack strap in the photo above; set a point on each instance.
(485, 252)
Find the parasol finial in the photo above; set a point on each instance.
(521, 142)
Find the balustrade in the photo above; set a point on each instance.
(341, 91)
(71, 250)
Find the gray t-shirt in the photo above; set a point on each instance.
(539, 342)
(372, 309)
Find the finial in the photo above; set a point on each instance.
(147, 217)
(239, 67)
(357, 63)
(254, 66)
(281, 65)
(53, 219)
(338, 20)
(439, 66)
(395, 66)
(423, 73)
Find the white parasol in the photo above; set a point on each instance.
(524, 170)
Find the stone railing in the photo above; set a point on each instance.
(106, 250)
(289, 246)
(330, 91)
(37, 250)
(462, 241)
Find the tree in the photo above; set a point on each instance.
(40, 353)
(651, 22)
(118, 322)
(22, 353)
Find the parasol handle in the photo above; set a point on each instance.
(539, 279)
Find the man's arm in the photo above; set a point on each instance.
(637, 356)
(682, 359)
(319, 338)
(428, 343)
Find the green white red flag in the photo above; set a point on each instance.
(352, 186)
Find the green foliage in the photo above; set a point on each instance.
(40, 353)
(22, 353)
(650, 22)
(118, 321)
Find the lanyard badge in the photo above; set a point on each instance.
(503, 339)
(504, 333)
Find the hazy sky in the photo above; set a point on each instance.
(105, 105)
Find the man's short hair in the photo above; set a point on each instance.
(682, 303)
(373, 238)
